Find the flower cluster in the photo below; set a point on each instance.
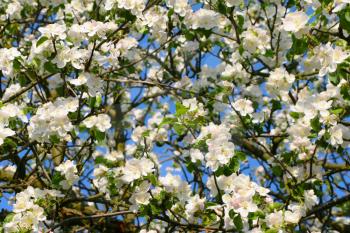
(29, 214)
(51, 119)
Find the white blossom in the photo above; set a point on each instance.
(296, 22)
(136, 168)
(102, 122)
(69, 170)
(244, 106)
(204, 18)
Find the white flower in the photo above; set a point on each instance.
(242, 204)
(310, 199)
(136, 6)
(338, 133)
(76, 56)
(138, 132)
(193, 105)
(275, 219)
(98, 28)
(294, 214)
(220, 149)
(102, 122)
(279, 82)
(126, 44)
(174, 184)
(54, 30)
(136, 168)
(296, 22)
(63, 57)
(109, 4)
(329, 57)
(81, 80)
(244, 106)
(23, 202)
(231, 3)
(196, 155)
(150, 231)
(69, 171)
(4, 133)
(204, 18)
(140, 196)
(339, 5)
(11, 110)
(11, 90)
(52, 119)
(14, 9)
(114, 156)
(28, 214)
(93, 83)
(6, 58)
(256, 39)
(193, 205)
(180, 7)
(238, 192)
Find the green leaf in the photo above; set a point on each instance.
(179, 129)
(240, 23)
(234, 164)
(271, 231)
(155, 210)
(146, 133)
(227, 170)
(344, 18)
(256, 215)
(180, 109)
(290, 3)
(277, 171)
(345, 92)
(54, 139)
(92, 102)
(99, 136)
(167, 121)
(50, 67)
(334, 79)
(208, 204)
(170, 12)
(295, 115)
(269, 53)
(316, 124)
(100, 160)
(16, 64)
(56, 179)
(9, 218)
(9, 143)
(145, 210)
(41, 41)
(276, 105)
(232, 214)
(337, 111)
(274, 206)
(240, 155)
(237, 220)
(98, 101)
(299, 47)
(221, 7)
(190, 166)
(153, 179)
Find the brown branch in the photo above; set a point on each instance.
(25, 89)
(97, 216)
(327, 205)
